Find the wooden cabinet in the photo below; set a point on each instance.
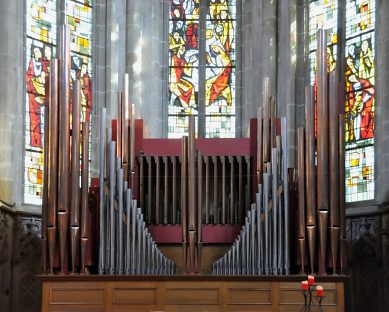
(183, 293)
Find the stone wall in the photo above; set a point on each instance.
(20, 261)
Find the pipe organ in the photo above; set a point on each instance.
(193, 192)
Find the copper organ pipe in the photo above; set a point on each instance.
(215, 199)
(233, 215)
(141, 185)
(75, 175)
(241, 211)
(310, 186)
(334, 167)
(322, 144)
(157, 189)
(52, 159)
(334, 149)
(199, 208)
(248, 191)
(45, 189)
(102, 219)
(192, 174)
(84, 193)
(64, 143)
(184, 197)
(342, 208)
(301, 198)
(223, 159)
(206, 189)
(166, 191)
(53, 145)
(199, 194)
(149, 190)
(174, 213)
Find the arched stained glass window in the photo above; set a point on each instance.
(41, 32)
(360, 94)
(186, 83)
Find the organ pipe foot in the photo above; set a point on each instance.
(63, 218)
(311, 233)
(335, 231)
(343, 259)
(84, 249)
(184, 254)
(192, 242)
(199, 251)
(323, 222)
(51, 237)
(74, 239)
(301, 242)
(44, 255)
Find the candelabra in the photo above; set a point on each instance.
(312, 300)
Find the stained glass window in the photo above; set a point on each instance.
(41, 32)
(360, 97)
(218, 61)
(183, 64)
(41, 29)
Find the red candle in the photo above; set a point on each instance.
(311, 280)
(304, 285)
(319, 291)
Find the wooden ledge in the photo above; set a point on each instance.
(200, 278)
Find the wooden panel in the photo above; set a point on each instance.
(134, 296)
(76, 308)
(291, 295)
(189, 296)
(77, 296)
(248, 296)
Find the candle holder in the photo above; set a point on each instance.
(319, 303)
(312, 301)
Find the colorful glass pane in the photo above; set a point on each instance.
(183, 64)
(41, 29)
(360, 174)
(360, 99)
(220, 68)
(79, 18)
(323, 14)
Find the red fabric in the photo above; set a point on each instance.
(367, 114)
(220, 84)
(34, 106)
(179, 65)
